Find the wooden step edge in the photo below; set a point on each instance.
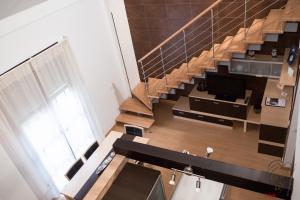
(210, 68)
(147, 104)
(196, 75)
(254, 42)
(196, 71)
(277, 19)
(238, 41)
(143, 99)
(291, 12)
(238, 50)
(224, 46)
(241, 50)
(144, 111)
(170, 86)
(154, 97)
(136, 120)
(136, 113)
(153, 88)
(172, 80)
(180, 80)
(192, 61)
(274, 32)
(223, 59)
(163, 91)
(208, 64)
(185, 81)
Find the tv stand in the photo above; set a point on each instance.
(203, 102)
(226, 98)
(205, 108)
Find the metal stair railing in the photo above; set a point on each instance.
(204, 31)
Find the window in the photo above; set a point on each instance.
(59, 134)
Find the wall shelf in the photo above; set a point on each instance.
(260, 65)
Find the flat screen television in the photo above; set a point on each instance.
(225, 87)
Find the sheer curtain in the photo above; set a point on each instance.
(47, 121)
(20, 97)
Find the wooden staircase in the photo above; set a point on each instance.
(138, 110)
(135, 112)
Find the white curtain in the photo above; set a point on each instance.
(47, 121)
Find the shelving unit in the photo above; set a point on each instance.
(260, 65)
(182, 110)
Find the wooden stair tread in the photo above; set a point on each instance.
(162, 88)
(174, 76)
(195, 71)
(183, 74)
(153, 85)
(207, 61)
(144, 122)
(254, 33)
(193, 67)
(221, 54)
(140, 93)
(202, 60)
(291, 12)
(193, 60)
(273, 23)
(134, 105)
(237, 45)
(172, 81)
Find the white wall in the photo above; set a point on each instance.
(292, 135)
(12, 184)
(117, 8)
(296, 175)
(296, 143)
(87, 25)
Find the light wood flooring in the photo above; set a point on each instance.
(230, 145)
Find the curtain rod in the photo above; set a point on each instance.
(29, 58)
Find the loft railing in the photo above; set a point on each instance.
(221, 19)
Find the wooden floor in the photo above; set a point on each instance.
(230, 145)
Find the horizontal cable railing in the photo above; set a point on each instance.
(202, 33)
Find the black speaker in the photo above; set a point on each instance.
(257, 108)
(201, 85)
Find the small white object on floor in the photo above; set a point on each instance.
(290, 71)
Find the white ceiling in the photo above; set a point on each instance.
(11, 7)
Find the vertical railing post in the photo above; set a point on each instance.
(245, 15)
(163, 65)
(245, 18)
(185, 51)
(145, 79)
(212, 31)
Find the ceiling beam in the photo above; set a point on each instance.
(246, 178)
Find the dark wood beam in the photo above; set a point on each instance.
(246, 178)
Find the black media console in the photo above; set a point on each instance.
(205, 107)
